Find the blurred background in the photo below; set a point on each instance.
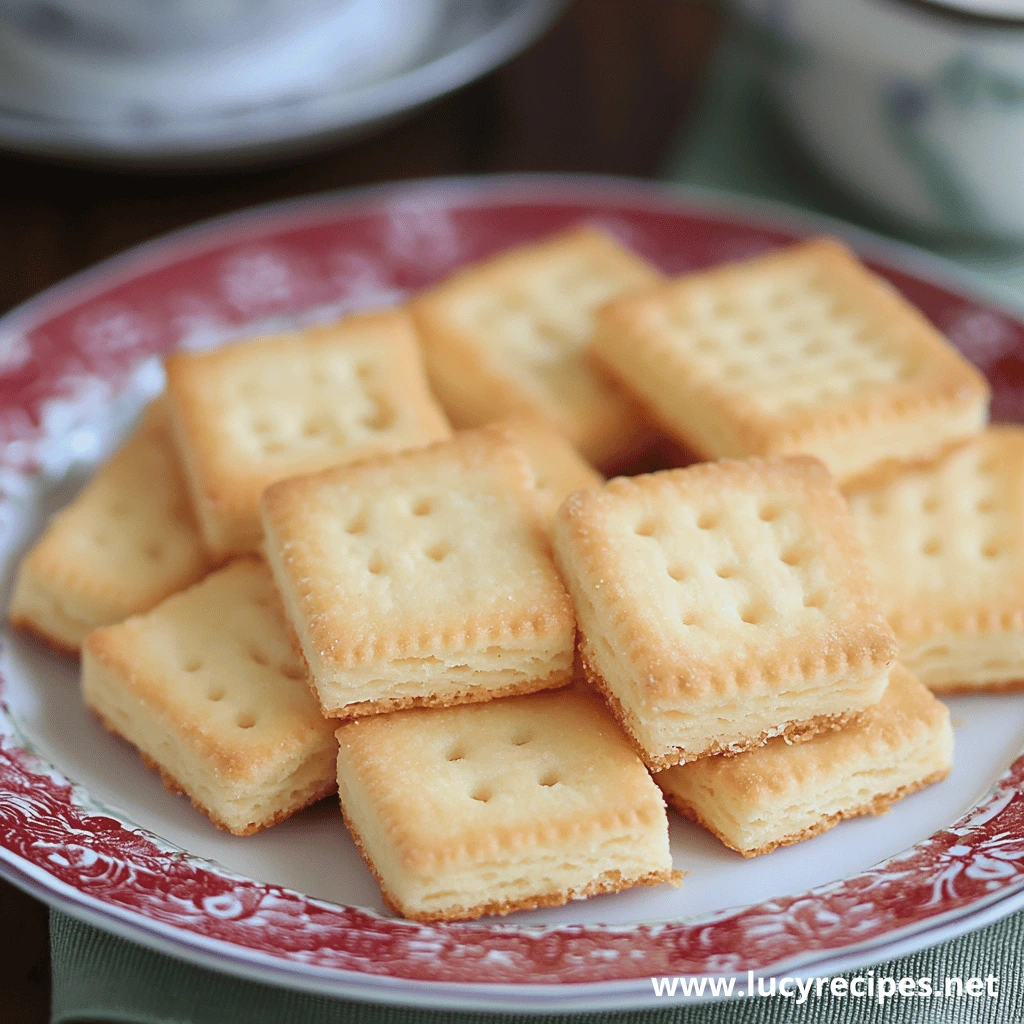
(605, 88)
(122, 120)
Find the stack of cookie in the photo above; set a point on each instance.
(296, 576)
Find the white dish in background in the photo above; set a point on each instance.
(336, 69)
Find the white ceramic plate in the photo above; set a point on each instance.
(84, 826)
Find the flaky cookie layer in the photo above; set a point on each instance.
(789, 732)
(611, 881)
(779, 794)
(877, 805)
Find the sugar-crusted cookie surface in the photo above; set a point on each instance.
(490, 808)
(127, 541)
(208, 687)
(252, 413)
(723, 604)
(510, 335)
(945, 545)
(801, 350)
(421, 578)
(558, 469)
(782, 793)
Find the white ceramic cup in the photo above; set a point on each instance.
(915, 107)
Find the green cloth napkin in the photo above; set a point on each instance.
(737, 144)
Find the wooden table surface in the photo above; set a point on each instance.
(607, 89)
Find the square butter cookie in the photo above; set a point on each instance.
(421, 578)
(510, 335)
(723, 604)
(209, 688)
(489, 808)
(255, 412)
(127, 541)
(801, 350)
(783, 793)
(945, 545)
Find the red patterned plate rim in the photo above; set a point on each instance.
(56, 843)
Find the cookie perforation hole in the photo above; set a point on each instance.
(154, 552)
(549, 779)
(930, 503)
(292, 672)
(986, 505)
(357, 524)
(245, 720)
(216, 693)
(382, 416)
(768, 513)
(259, 658)
(678, 573)
(726, 572)
(376, 564)
(690, 619)
(193, 665)
(482, 794)
(991, 550)
(792, 557)
(521, 739)
(262, 425)
(364, 370)
(457, 753)
(439, 552)
(273, 448)
(815, 600)
(423, 507)
(931, 547)
(707, 521)
(753, 615)
(646, 528)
